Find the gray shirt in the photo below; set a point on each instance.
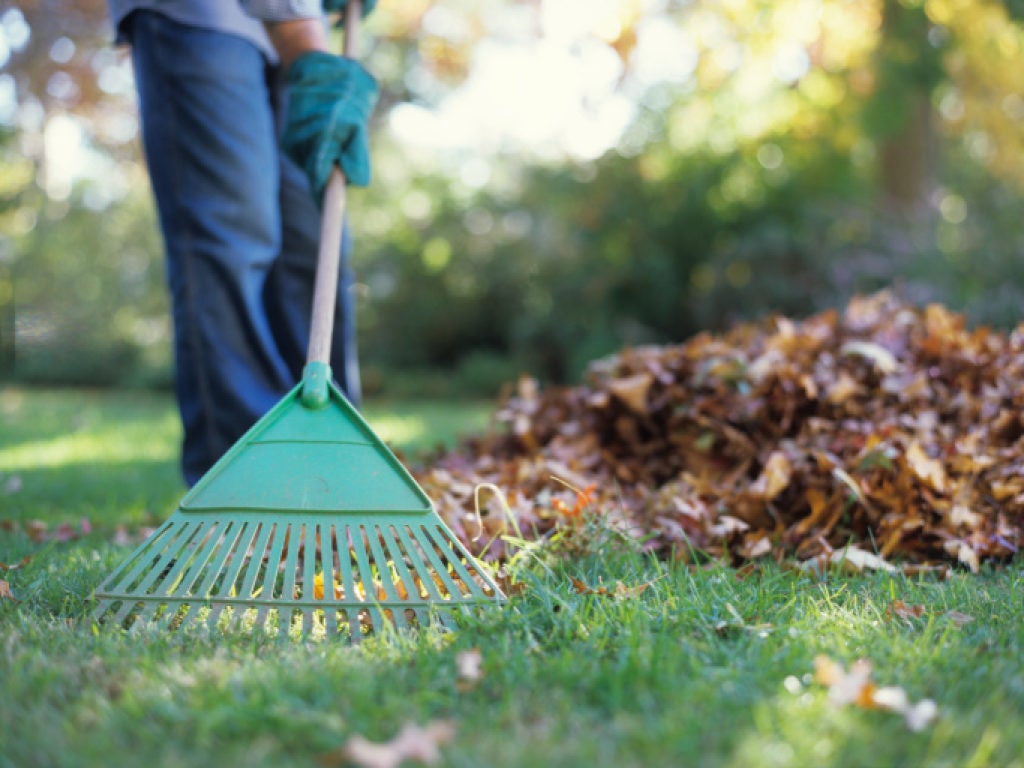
(221, 15)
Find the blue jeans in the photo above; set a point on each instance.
(240, 229)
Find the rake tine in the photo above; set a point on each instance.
(439, 536)
(309, 568)
(383, 571)
(255, 558)
(270, 572)
(285, 615)
(222, 540)
(327, 569)
(155, 558)
(454, 593)
(376, 618)
(255, 562)
(198, 563)
(161, 563)
(426, 577)
(232, 564)
(134, 557)
(365, 574)
(181, 563)
(348, 581)
(398, 558)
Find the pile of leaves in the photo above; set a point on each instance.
(883, 431)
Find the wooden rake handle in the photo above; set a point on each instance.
(325, 290)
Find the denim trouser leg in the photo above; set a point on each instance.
(240, 278)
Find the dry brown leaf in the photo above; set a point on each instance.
(632, 391)
(36, 530)
(774, 477)
(20, 564)
(620, 592)
(901, 610)
(857, 560)
(413, 743)
(5, 591)
(966, 555)
(929, 471)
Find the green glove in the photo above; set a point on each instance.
(340, 5)
(330, 101)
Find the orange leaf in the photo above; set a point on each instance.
(583, 589)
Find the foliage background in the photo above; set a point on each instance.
(761, 157)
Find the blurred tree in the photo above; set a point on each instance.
(555, 178)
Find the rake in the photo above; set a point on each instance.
(308, 525)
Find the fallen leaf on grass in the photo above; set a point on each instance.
(5, 591)
(901, 610)
(39, 531)
(419, 744)
(507, 585)
(20, 564)
(855, 687)
(852, 559)
(620, 592)
(36, 530)
(468, 669)
(960, 619)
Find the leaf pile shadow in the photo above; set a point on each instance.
(882, 428)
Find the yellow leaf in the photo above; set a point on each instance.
(929, 471)
(774, 477)
(966, 555)
(883, 360)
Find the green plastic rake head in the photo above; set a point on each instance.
(308, 525)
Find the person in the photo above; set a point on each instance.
(243, 111)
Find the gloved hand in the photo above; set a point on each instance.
(330, 101)
(340, 5)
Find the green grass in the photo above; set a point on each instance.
(702, 668)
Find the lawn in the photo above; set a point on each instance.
(636, 663)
